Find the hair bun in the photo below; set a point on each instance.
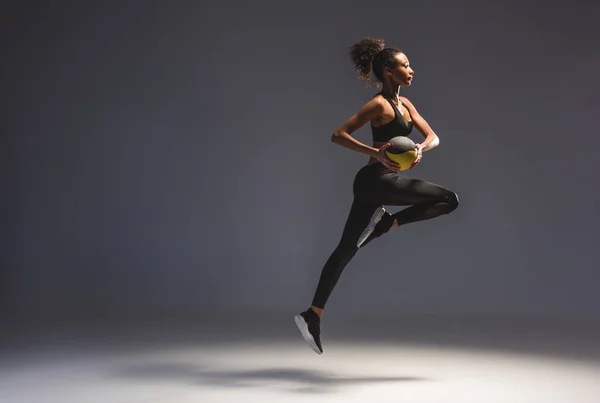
(362, 54)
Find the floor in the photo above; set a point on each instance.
(413, 361)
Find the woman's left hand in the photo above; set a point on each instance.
(419, 156)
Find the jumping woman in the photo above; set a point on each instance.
(379, 182)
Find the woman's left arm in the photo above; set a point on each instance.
(431, 139)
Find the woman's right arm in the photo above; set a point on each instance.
(343, 135)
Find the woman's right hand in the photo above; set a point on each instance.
(381, 157)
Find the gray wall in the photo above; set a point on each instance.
(172, 159)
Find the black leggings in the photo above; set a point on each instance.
(375, 186)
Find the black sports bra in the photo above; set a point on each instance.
(399, 126)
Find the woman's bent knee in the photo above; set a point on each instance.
(452, 201)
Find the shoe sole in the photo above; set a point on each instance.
(303, 327)
(371, 227)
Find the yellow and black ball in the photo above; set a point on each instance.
(402, 151)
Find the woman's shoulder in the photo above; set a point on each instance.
(377, 103)
(405, 100)
(378, 99)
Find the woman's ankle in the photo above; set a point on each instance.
(318, 311)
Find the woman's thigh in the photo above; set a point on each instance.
(395, 189)
(380, 186)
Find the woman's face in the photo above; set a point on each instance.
(402, 73)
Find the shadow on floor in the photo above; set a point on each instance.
(283, 379)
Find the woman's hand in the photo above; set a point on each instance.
(381, 157)
(419, 156)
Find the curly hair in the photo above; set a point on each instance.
(371, 55)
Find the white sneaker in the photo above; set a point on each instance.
(371, 227)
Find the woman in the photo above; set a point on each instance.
(379, 182)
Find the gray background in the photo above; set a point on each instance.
(173, 159)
